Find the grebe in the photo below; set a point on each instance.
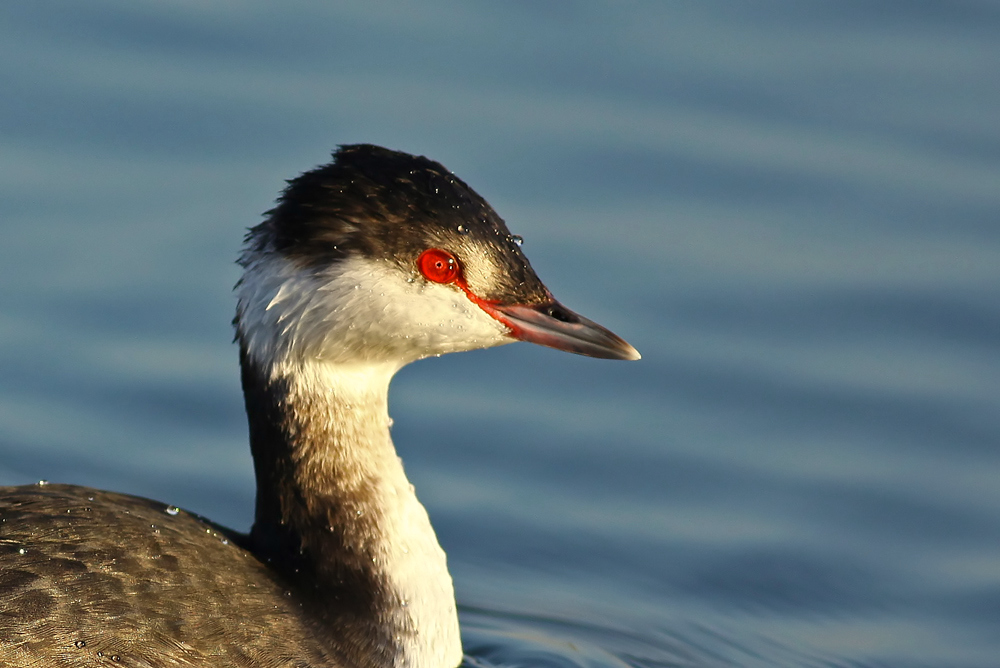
(370, 262)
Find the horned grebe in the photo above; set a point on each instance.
(370, 262)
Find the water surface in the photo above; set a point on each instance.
(792, 210)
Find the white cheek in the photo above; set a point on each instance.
(433, 318)
(358, 310)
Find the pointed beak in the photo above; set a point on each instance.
(552, 324)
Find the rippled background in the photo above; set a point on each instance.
(791, 209)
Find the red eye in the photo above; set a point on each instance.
(438, 265)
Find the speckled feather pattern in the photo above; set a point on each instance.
(74, 595)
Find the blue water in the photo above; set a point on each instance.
(791, 209)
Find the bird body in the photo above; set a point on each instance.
(74, 594)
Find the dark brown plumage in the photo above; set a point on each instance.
(86, 578)
(388, 205)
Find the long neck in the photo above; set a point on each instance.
(336, 515)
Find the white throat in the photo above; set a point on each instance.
(339, 414)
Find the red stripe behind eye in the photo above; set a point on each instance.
(440, 266)
(486, 305)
